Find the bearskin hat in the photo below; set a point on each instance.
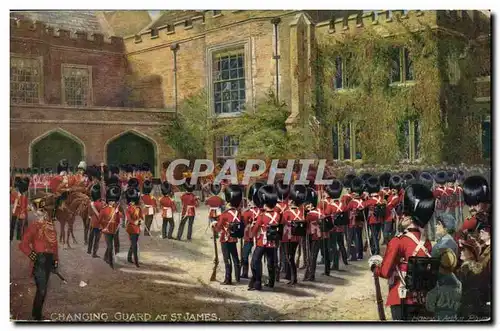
(476, 190)
(146, 167)
(396, 182)
(233, 195)
(133, 182)
(408, 179)
(419, 203)
(95, 192)
(372, 185)
(114, 170)
(298, 194)
(62, 166)
(112, 180)
(132, 195)
(188, 186)
(451, 177)
(147, 187)
(113, 193)
(357, 185)
(268, 196)
(23, 184)
(334, 190)
(415, 173)
(17, 180)
(166, 188)
(282, 189)
(365, 176)
(35, 171)
(312, 197)
(348, 180)
(426, 179)
(384, 179)
(441, 177)
(460, 176)
(253, 194)
(215, 188)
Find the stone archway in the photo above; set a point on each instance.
(131, 147)
(48, 149)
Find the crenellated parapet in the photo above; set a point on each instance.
(25, 28)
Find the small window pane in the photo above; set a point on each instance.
(408, 66)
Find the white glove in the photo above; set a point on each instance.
(375, 260)
(213, 224)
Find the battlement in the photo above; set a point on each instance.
(25, 28)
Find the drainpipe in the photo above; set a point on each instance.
(275, 21)
(175, 48)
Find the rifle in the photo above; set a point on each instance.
(378, 295)
(216, 260)
(55, 272)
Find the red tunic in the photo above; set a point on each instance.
(346, 198)
(55, 182)
(215, 202)
(452, 197)
(166, 203)
(281, 207)
(40, 237)
(149, 202)
(440, 193)
(289, 215)
(352, 207)
(250, 217)
(390, 211)
(94, 212)
(189, 204)
(223, 222)
(19, 205)
(312, 220)
(264, 220)
(110, 224)
(134, 215)
(334, 207)
(370, 203)
(399, 249)
(460, 196)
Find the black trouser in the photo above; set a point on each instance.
(117, 241)
(406, 312)
(134, 238)
(312, 257)
(19, 226)
(375, 238)
(41, 271)
(337, 248)
(148, 221)
(170, 222)
(247, 249)
(325, 252)
(256, 280)
(230, 253)
(190, 220)
(278, 260)
(388, 231)
(108, 255)
(291, 267)
(94, 237)
(355, 243)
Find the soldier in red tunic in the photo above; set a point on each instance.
(134, 218)
(477, 197)
(168, 209)
(109, 219)
(418, 209)
(314, 215)
(249, 217)
(282, 190)
(335, 209)
(376, 213)
(96, 205)
(391, 211)
(231, 227)
(149, 205)
(294, 213)
(355, 209)
(189, 204)
(266, 231)
(442, 197)
(214, 203)
(19, 201)
(39, 243)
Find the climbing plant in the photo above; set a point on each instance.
(444, 109)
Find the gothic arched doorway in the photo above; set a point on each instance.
(48, 150)
(131, 148)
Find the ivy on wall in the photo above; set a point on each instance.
(449, 126)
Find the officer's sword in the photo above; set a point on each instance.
(60, 276)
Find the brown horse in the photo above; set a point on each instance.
(76, 204)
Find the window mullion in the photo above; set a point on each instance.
(402, 64)
(411, 140)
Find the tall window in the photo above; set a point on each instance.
(401, 65)
(226, 147)
(409, 134)
(25, 80)
(486, 137)
(345, 73)
(76, 82)
(229, 82)
(346, 144)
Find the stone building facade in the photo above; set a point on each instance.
(235, 56)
